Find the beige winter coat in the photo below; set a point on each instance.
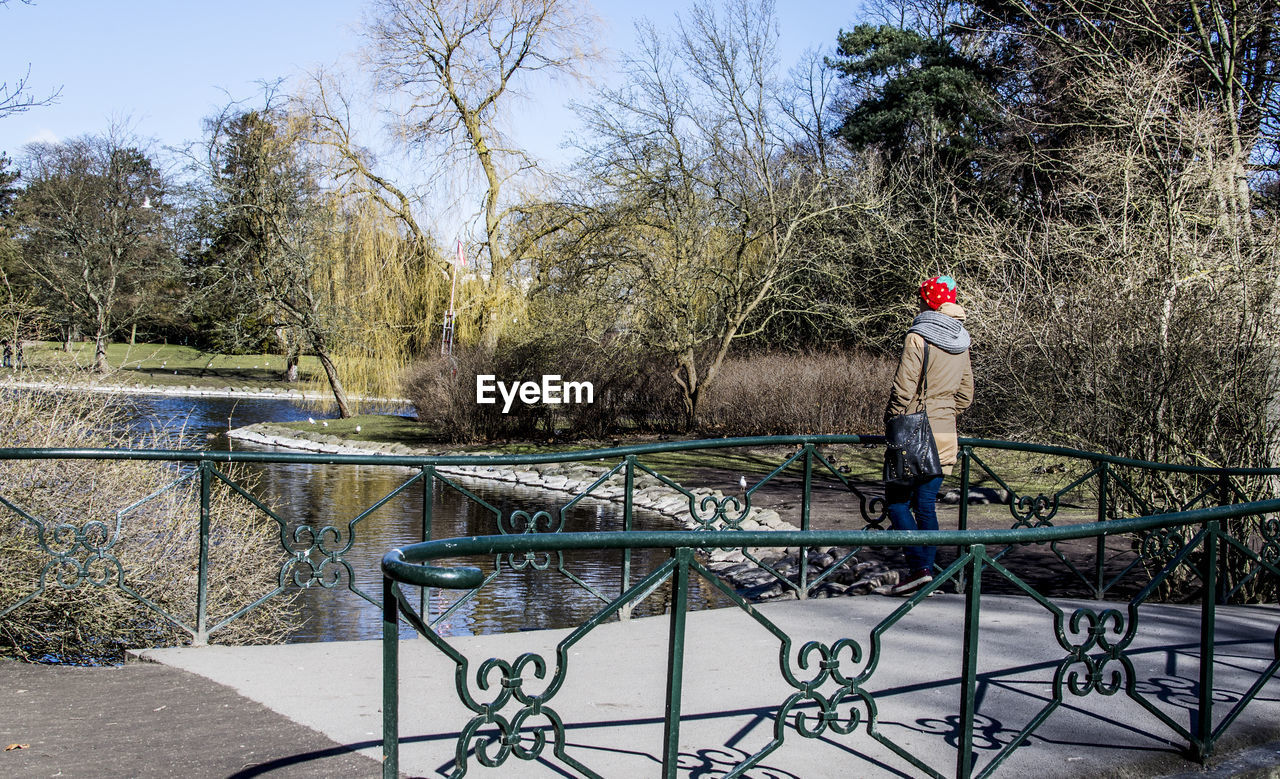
(950, 388)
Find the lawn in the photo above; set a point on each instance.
(373, 428)
(167, 365)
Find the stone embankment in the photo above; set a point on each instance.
(756, 573)
(190, 391)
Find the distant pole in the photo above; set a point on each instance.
(446, 339)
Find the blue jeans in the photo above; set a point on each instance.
(921, 500)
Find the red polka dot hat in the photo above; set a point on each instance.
(938, 290)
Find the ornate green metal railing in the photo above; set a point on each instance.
(82, 552)
(1095, 643)
(1233, 549)
(1120, 529)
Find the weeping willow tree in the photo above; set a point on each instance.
(306, 250)
(389, 293)
(386, 223)
(456, 67)
(268, 225)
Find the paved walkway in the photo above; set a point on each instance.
(612, 699)
(314, 709)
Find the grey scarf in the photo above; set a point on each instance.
(942, 331)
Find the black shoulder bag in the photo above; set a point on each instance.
(911, 454)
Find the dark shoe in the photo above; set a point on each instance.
(914, 581)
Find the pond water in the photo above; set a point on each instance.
(208, 419)
(320, 496)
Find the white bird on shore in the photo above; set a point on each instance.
(357, 428)
(324, 423)
(742, 483)
(312, 421)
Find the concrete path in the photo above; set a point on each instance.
(612, 699)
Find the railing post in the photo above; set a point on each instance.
(675, 662)
(428, 503)
(805, 506)
(1224, 571)
(1203, 745)
(969, 663)
(390, 681)
(1100, 557)
(1224, 489)
(963, 524)
(628, 508)
(201, 636)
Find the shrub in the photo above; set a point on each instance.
(96, 512)
(630, 393)
(443, 393)
(786, 393)
(773, 393)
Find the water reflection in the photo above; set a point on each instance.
(331, 496)
(529, 599)
(206, 420)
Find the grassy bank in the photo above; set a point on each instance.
(166, 365)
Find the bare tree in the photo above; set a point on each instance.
(92, 228)
(933, 18)
(809, 104)
(1124, 317)
(272, 230)
(455, 65)
(1230, 47)
(705, 192)
(1158, 124)
(352, 165)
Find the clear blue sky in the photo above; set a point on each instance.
(166, 64)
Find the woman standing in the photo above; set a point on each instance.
(948, 391)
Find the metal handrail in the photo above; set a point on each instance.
(407, 566)
(434, 471)
(187, 455)
(402, 564)
(720, 522)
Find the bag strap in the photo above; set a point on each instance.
(923, 386)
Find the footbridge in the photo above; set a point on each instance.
(1100, 616)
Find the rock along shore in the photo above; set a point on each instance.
(756, 573)
(190, 391)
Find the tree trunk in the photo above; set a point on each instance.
(691, 410)
(100, 364)
(291, 356)
(690, 388)
(1271, 420)
(339, 394)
